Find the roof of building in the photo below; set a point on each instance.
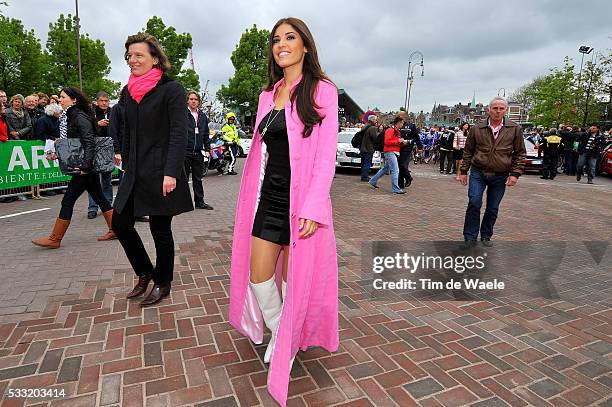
(345, 100)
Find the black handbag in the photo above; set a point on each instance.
(104, 156)
(70, 155)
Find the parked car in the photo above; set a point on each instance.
(348, 156)
(605, 161)
(245, 143)
(532, 161)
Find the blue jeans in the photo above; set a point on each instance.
(585, 158)
(496, 186)
(366, 164)
(391, 165)
(107, 189)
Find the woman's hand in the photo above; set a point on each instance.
(169, 185)
(117, 159)
(307, 228)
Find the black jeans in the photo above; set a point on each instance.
(571, 159)
(551, 161)
(404, 164)
(79, 184)
(161, 229)
(448, 155)
(194, 164)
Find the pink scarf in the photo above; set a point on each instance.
(138, 86)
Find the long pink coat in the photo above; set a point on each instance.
(310, 311)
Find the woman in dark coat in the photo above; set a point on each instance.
(77, 122)
(47, 127)
(153, 151)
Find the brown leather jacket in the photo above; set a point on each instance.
(504, 156)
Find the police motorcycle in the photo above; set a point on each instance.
(219, 155)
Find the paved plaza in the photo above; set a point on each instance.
(65, 323)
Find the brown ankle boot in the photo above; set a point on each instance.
(141, 286)
(56, 236)
(110, 235)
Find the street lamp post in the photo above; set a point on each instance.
(499, 91)
(410, 77)
(78, 41)
(588, 93)
(583, 50)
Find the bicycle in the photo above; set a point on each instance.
(434, 155)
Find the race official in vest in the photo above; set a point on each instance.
(230, 136)
(551, 147)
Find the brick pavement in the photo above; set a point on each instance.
(66, 325)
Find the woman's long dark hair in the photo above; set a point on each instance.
(81, 100)
(312, 74)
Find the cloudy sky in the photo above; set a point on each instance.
(471, 45)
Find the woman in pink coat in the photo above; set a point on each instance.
(283, 232)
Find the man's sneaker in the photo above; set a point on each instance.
(204, 206)
(91, 215)
(578, 176)
(232, 173)
(21, 198)
(486, 242)
(400, 192)
(467, 245)
(367, 179)
(590, 181)
(372, 185)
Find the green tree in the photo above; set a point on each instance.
(177, 48)
(251, 72)
(63, 63)
(554, 97)
(593, 88)
(21, 59)
(564, 96)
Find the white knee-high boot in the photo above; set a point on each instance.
(284, 291)
(270, 304)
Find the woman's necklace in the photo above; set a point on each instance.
(269, 122)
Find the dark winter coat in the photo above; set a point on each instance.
(595, 148)
(116, 125)
(102, 114)
(369, 138)
(47, 128)
(410, 133)
(81, 125)
(446, 141)
(197, 142)
(154, 146)
(35, 115)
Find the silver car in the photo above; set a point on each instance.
(348, 156)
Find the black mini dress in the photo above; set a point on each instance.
(272, 218)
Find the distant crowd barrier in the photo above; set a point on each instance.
(25, 170)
